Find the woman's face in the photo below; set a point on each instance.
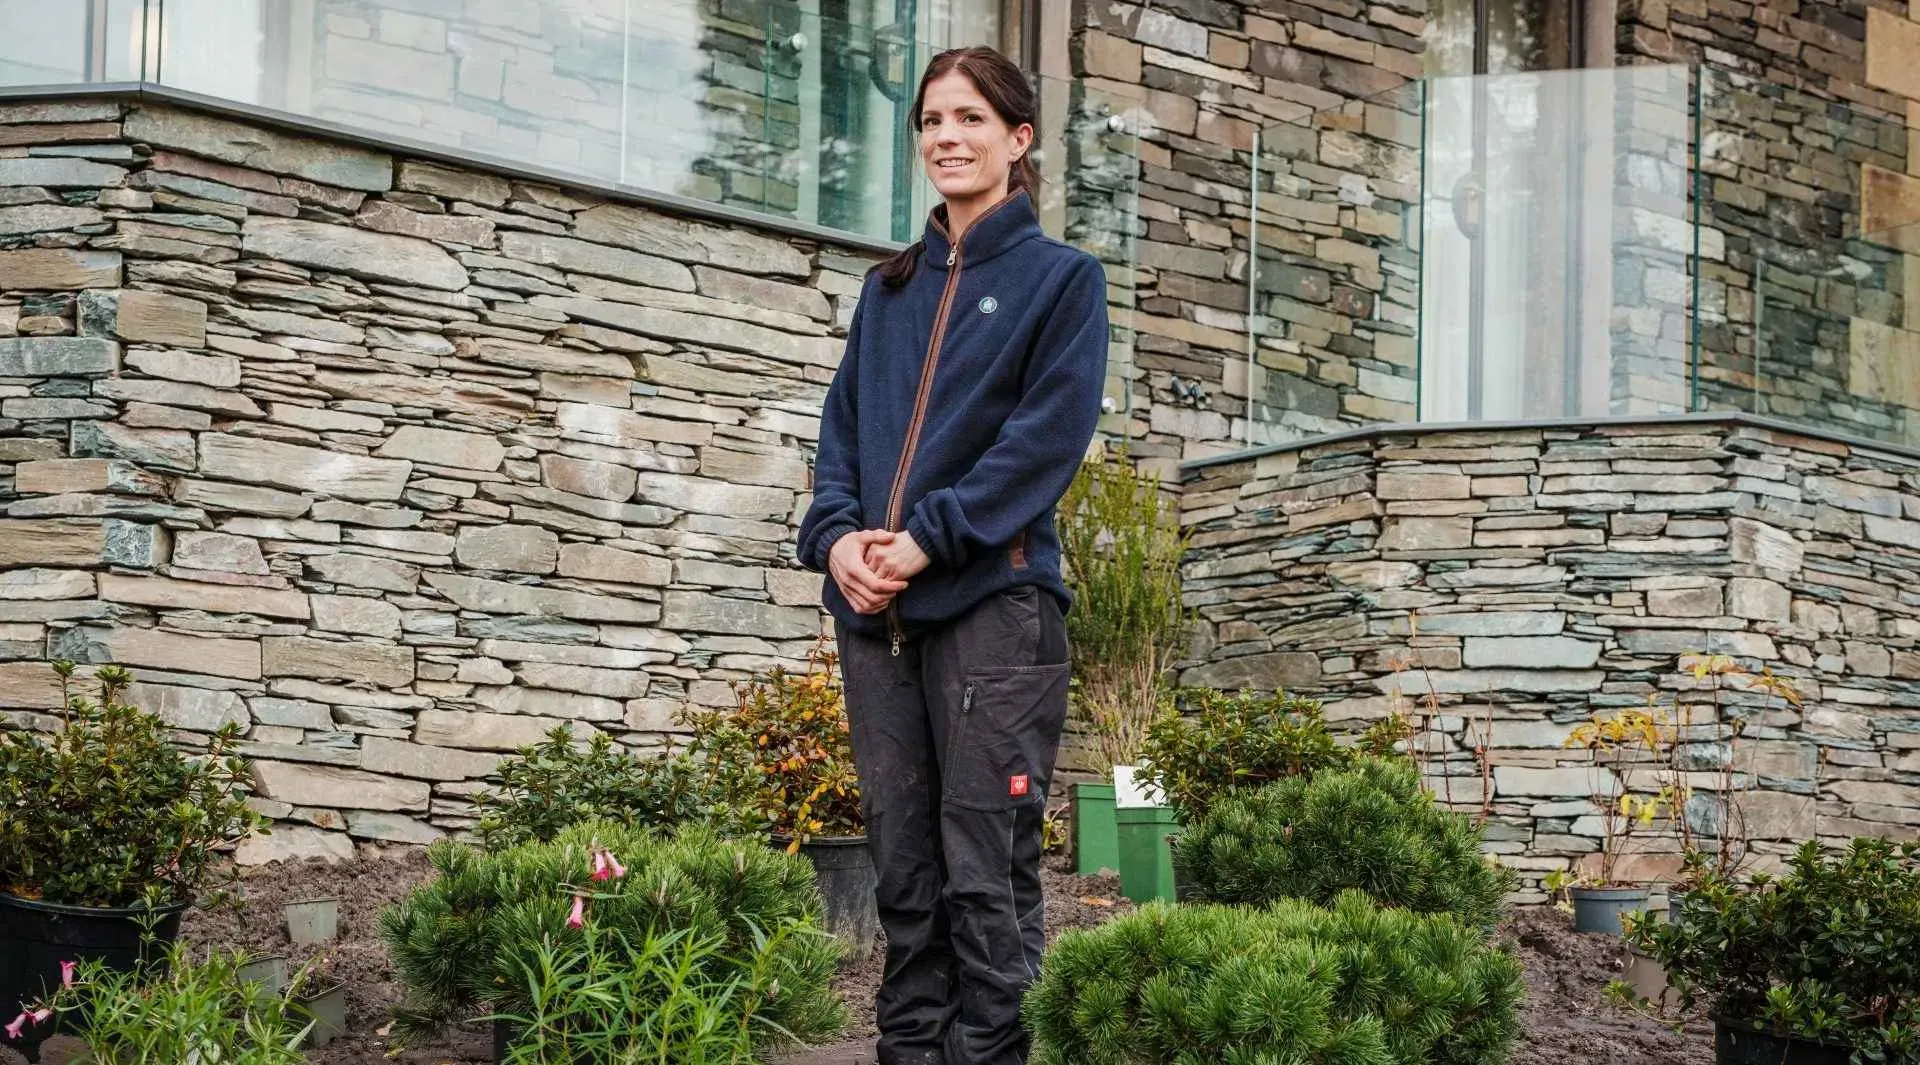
(966, 146)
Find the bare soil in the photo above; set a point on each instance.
(1564, 1018)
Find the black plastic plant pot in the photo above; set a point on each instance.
(35, 937)
(843, 873)
(1740, 1044)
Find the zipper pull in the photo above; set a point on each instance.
(952, 254)
(896, 645)
(966, 701)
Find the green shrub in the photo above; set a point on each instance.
(107, 810)
(1370, 828)
(460, 944)
(560, 782)
(606, 997)
(182, 1009)
(1208, 743)
(1829, 950)
(1290, 983)
(783, 756)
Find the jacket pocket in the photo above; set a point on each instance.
(1002, 746)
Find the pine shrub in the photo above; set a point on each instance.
(460, 944)
(1370, 828)
(560, 782)
(1222, 985)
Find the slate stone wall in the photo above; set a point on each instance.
(395, 464)
(1529, 579)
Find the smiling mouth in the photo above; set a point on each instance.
(951, 164)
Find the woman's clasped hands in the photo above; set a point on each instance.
(873, 565)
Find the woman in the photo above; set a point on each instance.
(965, 401)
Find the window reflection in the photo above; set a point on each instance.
(789, 107)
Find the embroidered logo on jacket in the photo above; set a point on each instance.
(988, 305)
(1017, 785)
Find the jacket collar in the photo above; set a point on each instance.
(999, 228)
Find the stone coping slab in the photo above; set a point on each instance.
(1713, 417)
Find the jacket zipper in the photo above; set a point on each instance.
(919, 416)
(895, 498)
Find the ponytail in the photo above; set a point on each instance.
(898, 267)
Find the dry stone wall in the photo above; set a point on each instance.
(397, 465)
(1531, 578)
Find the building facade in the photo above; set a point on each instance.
(402, 378)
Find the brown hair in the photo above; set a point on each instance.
(1006, 90)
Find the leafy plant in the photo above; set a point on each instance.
(464, 943)
(1726, 846)
(1055, 828)
(607, 996)
(107, 811)
(1628, 738)
(1122, 545)
(1370, 828)
(1243, 741)
(1830, 950)
(560, 782)
(783, 758)
(1293, 982)
(182, 1009)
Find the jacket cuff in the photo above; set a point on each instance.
(924, 538)
(828, 537)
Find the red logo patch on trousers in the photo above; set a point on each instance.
(1017, 785)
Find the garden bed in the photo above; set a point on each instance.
(1564, 1021)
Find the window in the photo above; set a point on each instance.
(795, 108)
(1506, 36)
(1517, 206)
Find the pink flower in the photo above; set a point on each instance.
(66, 972)
(606, 866)
(18, 1026)
(578, 918)
(40, 1015)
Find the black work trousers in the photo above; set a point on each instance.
(955, 740)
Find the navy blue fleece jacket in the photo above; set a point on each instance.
(960, 413)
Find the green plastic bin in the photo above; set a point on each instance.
(1146, 860)
(1096, 836)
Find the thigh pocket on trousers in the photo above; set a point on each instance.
(1001, 750)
